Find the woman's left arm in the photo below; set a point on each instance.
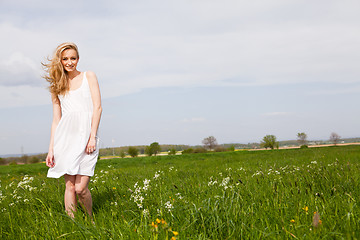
(96, 99)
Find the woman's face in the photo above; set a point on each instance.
(69, 60)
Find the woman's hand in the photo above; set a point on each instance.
(50, 161)
(91, 145)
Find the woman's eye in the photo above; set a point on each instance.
(73, 58)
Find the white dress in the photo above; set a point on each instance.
(72, 134)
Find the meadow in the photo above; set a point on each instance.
(279, 194)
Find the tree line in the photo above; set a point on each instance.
(208, 144)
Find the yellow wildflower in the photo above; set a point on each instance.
(158, 220)
(173, 238)
(163, 221)
(306, 208)
(114, 188)
(292, 221)
(175, 233)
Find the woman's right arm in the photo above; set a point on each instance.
(50, 161)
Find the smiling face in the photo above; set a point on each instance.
(69, 60)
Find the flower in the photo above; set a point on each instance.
(158, 220)
(292, 221)
(114, 188)
(306, 208)
(175, 233)
(168, 206)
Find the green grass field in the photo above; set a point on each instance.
(231, 195)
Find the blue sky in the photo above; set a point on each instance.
(178, 71)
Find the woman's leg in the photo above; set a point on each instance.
(81, 189)
(70, 195)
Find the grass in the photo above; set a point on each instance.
(232, 195)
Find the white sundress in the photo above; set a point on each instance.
(72, 134)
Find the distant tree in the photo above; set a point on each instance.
(172, 151)
(122, 154)
(334, 137)
(269, 141)
(148, 151)
(2, 161)
(210, 142)
(155, 148)
(231, 148)
(133, 151)
(302, 138)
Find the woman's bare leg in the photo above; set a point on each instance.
(70, 195)
(83, 192)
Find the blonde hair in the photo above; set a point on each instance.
(56, 74)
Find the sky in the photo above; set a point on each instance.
(175, 72)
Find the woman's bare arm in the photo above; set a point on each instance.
(97, 110)
(56, 118)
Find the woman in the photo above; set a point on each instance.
(73, 148)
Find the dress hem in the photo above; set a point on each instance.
(72, 174)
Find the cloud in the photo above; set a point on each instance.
(19, 70)
(194, 120)
(277, 114)
(133, 46)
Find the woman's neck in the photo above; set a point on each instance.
(73, 74)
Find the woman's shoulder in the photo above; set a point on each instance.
(91, 76)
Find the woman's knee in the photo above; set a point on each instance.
(81, 190)
(70, 187)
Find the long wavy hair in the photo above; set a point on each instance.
(56, 74)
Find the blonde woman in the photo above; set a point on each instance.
(73, 148)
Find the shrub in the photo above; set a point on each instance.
(200, 150)
(172, 151)
(304, 146)
(122, 154)
(2, 161)
(220, 149)
(187, 151)
(148, 151)
(34, 160)
(13, 162)
(231, 149)
(133, 151)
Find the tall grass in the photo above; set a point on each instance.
(233, 195)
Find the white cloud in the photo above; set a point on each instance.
(19, 70)
(277, 114)
(15, 96)
(133, 46)
(194, 120)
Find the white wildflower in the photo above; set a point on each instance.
(168, 206)
(146, 212)
(225, 182)
(179, 195)
(146, 184)
(211, 183)
(257, 173)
